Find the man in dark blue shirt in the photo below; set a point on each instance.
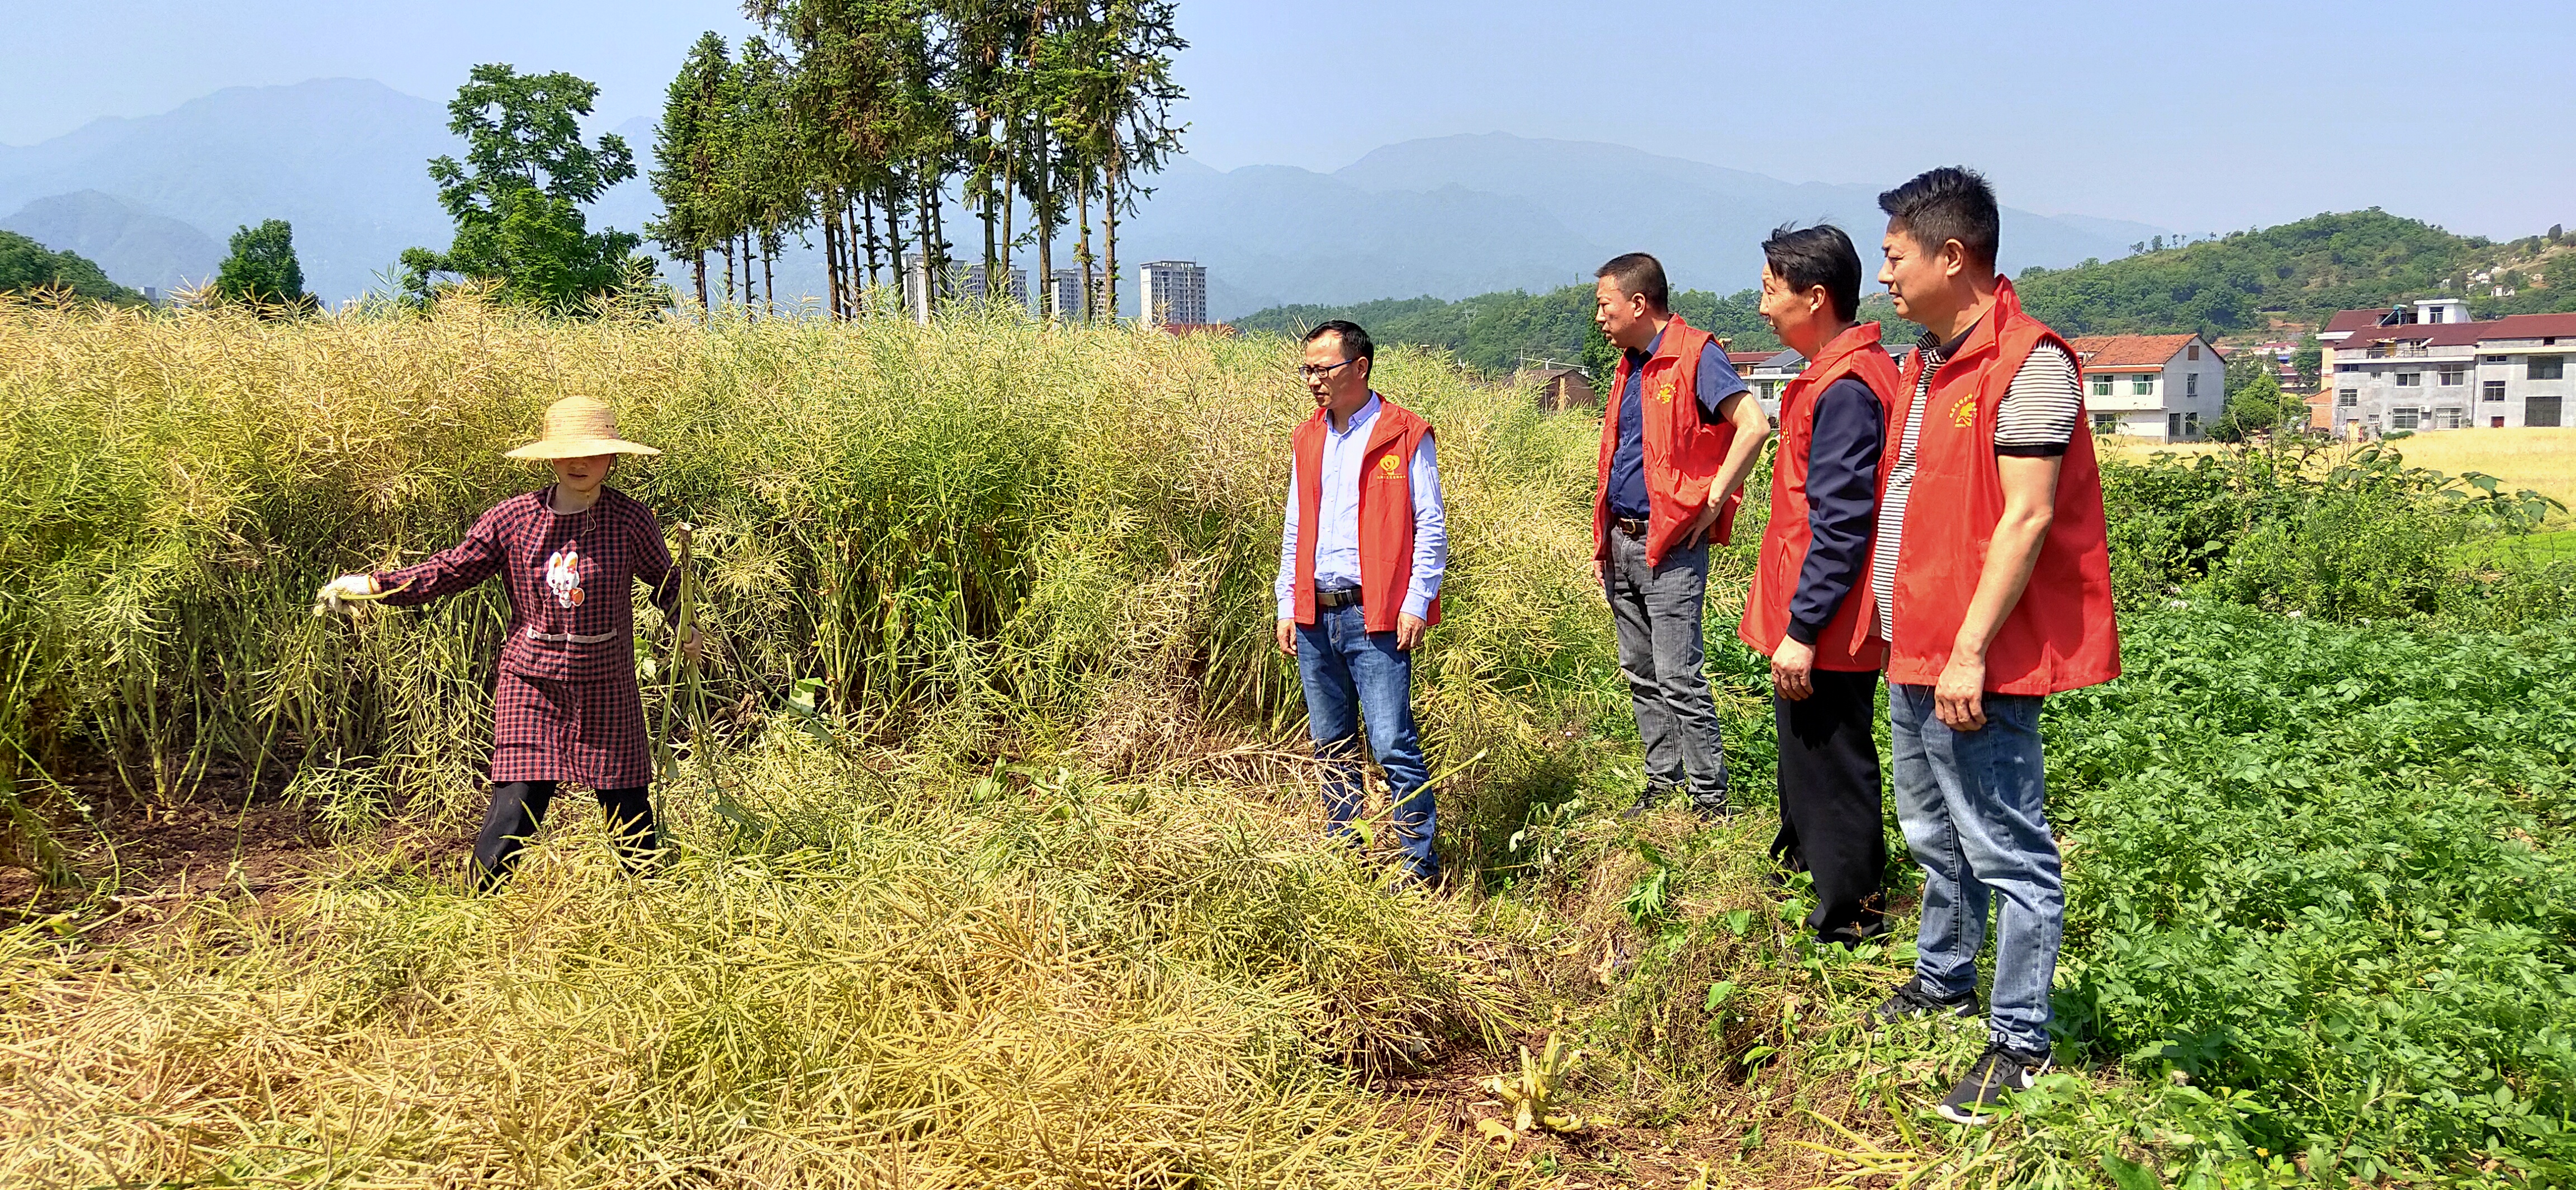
(1689, 457)
(1803, 611)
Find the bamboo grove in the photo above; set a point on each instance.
(862, 120)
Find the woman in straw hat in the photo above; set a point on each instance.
(565, 707)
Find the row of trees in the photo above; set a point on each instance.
(861, 118)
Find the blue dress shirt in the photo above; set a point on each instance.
(1717, 381)
(1337, 539)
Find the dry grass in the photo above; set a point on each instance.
(847, 979)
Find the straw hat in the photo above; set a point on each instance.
(577, 427)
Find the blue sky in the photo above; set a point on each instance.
(2196, 116)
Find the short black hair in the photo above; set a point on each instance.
(1949, 203)
(1355, 342)
(1641, 275)
(1804, 258)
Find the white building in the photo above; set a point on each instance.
(2166, 387)
(1064, 294)
(2427, 366)
(965, 283)
(1172, 291)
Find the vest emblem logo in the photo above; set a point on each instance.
(1664, 394)
(1387, 463)
(1964, 414)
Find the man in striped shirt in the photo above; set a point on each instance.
(1992, 581)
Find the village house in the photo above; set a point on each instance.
(1559, 387)
(2167, 387)
(2427, 366)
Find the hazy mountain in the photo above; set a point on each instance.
(345, 161)
(1704, 221)
(136, 248)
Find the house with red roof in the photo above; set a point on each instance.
(2170, 388)
(2427, 365)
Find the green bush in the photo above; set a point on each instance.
(2306, 529)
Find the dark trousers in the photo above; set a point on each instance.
(519, 808)
(1830, 823)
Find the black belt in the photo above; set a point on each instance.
(1630, 526)
(1329, 600)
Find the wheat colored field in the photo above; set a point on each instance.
(2543, 460)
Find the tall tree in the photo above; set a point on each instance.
(686, 156)
(262, 269)
(517, 197)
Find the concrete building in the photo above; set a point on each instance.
(2426, 365)
(1172, 291)
(965, 283)
(1064, 294)
(2167, 387)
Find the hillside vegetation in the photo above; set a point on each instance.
(1492, 333)
(28, 267)
(2297, 275)
(2283, 278)
(996, 860)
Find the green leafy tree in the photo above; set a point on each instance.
(262, 269)
(28, 267)
(2258, 406)
(517, 197)
(686, 158)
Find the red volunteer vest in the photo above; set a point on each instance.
(1682, 455)
(2061, 635)
(1386, 513)
(1848, 642)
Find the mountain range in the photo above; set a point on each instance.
(344, 160)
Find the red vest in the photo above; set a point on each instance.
(1682, 455)
(2061, 635)
(1848, 642)
(1386, 513)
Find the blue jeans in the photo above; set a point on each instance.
(1971, 804)
(1351, 673)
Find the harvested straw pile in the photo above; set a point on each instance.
(846, 980)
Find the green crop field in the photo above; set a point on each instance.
(995, 856)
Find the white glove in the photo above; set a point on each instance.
(343, 594)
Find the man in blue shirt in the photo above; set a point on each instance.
(1365, 542)
(1669, 472)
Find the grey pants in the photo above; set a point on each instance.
(1657, 610)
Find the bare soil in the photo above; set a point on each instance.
(145, 861)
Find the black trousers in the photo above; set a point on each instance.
(1830, 822)
(519, 808)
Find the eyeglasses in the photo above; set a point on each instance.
(1310, 371)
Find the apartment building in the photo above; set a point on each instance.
(2427, 365)
(1172, 291)
(965, 283)
(2167, 387)
(1064, 294)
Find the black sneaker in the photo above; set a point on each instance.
(1712, 813)
(1645, 803)
(1914, 999)
(1998, 1072)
